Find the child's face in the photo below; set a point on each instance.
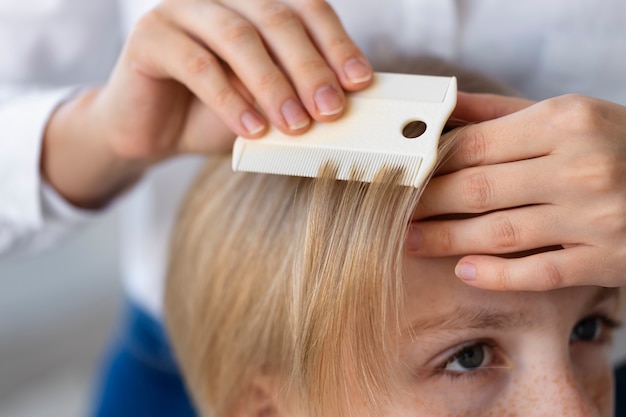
(471, 352)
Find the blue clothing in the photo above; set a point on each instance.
(140, 377)
(620, 391)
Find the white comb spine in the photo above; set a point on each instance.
(355, 141)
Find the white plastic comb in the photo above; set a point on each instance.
(369, 136)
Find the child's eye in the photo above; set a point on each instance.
(592, 329)
(470, 358)
(588, 329)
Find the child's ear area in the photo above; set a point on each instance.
(262, 397)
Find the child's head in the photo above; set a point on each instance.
(293, 297)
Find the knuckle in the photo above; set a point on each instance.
(147, 28)
(199, 61)
(236, 29)
(504, 234)
(445, 240)
(554, 105)
(584, 114)
(605, 174)
(503, 279)
(344, 46)
(224, 97)
(146, 22)
(277, 14)
(609, 217)
(599, 172)
(549, 275)
(477, 192)
(580, 114)
(314, 68)
(270, 81)
(474, 150)
(317, 8)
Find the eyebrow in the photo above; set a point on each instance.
(479, 317)
(485, 317)
(602, 294)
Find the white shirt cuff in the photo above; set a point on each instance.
(22, 124)
(23, 120)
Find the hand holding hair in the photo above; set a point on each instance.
(545, 175)
(188, 80)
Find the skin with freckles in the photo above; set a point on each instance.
(471, 352)
(468, 352)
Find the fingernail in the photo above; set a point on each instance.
(328, 101)
(253, 122)
(414, 238)
(357, 71)
(295, 116)
(466, 272)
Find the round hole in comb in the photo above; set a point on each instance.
(414, 129)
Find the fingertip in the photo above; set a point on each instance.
(296, 118)
(414, 239)
(466, 271)
(329, 102)
(358, 73)
(253, 123)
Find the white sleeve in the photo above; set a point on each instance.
(32, 215)
(44, 47)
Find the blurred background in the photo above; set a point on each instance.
(57, 312)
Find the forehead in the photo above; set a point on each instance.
(432, 291)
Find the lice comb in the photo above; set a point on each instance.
(394, 123)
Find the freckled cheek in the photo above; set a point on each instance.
(594, 374)
(518, 397)
(475, 398)
(500, 408)
(525, 399)
(599, 385)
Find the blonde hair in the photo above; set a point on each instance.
(295, 278)
(286, 276)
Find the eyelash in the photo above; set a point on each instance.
(478, 372)
(608, 325)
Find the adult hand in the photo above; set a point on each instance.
(190, 77)
(546, 175)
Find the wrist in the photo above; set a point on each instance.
(78, 159)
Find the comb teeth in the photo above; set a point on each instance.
(306, 162)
